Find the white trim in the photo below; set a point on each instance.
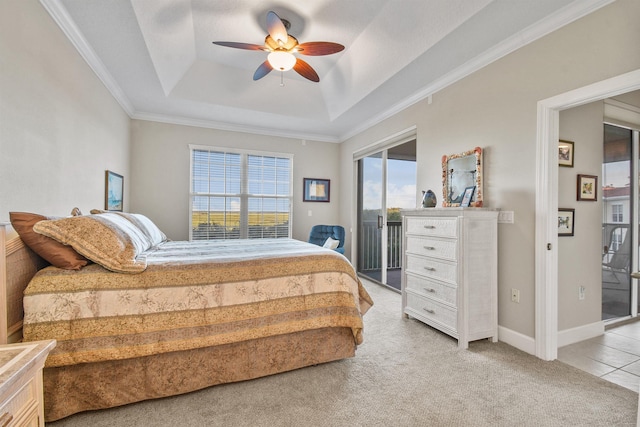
(580, 333)
(385, 143)
(565, 16)
(568, 14)
(620, 114)
(61, 17)
(546, 268)
(517, 340)
(210, 124)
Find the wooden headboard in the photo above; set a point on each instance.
(18, 264)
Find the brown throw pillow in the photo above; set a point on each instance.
(54, 252)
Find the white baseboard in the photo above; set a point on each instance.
(580, 333)
(517, 340)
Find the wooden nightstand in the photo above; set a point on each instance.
(21, 400)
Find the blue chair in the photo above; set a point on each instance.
(320, 233)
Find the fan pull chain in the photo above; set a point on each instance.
(281, 78)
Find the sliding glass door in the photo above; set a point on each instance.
(386, 184)
(619, 228)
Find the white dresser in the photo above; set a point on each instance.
(450, 269)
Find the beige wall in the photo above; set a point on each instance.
(495, 108)
(160, 176)
(580, 256)
(59, 126)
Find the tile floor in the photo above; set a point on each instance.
(614, 356)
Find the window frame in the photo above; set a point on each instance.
(244, 195)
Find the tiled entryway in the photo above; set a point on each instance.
(614, 356)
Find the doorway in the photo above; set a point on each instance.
(386, 184)
(546, 255)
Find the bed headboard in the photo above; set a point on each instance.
(18, 264)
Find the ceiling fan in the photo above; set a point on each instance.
(282, 46)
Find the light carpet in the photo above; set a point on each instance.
(404, 374)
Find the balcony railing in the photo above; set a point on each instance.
(372, 245)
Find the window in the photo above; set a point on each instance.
(617, 213)
(238, 194)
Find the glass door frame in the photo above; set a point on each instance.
(382, 214)
(385, 144)
(634, 227)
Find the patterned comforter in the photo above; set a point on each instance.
(193, 295)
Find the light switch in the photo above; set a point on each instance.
(505, 217)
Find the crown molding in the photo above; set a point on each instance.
(210, 124)
(61, 17)
(567, 15)
(570, 13)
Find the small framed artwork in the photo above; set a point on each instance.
(587, 187)
(565, 153)
(316, 190)
(566, 221)
(467, 196)
(114, 191)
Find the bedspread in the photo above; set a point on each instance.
(193, 295)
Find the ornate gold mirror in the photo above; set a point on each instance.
(462, 176)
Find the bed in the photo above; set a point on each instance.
(168, 318)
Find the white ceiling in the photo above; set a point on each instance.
(158, 60)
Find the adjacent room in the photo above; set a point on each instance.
(365, 212)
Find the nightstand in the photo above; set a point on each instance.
(21, 399)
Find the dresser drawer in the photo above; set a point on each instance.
(432, 247)
(20, 402)
(432, 310)
(431, 267)
(442, 227)
(431, 289)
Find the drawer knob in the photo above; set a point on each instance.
(428, 310)
(430, 269)
(430, 248)
(430, 227)
(5, 419)
(429, 290)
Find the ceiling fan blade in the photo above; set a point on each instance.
(306, 71)
(276, 28)
(319, 48)
(246, 46)
(264, 69)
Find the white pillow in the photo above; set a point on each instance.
(331, 243)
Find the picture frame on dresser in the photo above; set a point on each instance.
(467, 196)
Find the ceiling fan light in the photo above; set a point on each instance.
(282, 61)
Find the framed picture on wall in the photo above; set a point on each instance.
(587, 188)
(114, 191)
(565, 153)
(316, 190)
(565, 221)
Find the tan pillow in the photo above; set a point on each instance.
(106, 239)
(55, 253)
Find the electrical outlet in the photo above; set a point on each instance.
(581, 292)
(515, 295)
